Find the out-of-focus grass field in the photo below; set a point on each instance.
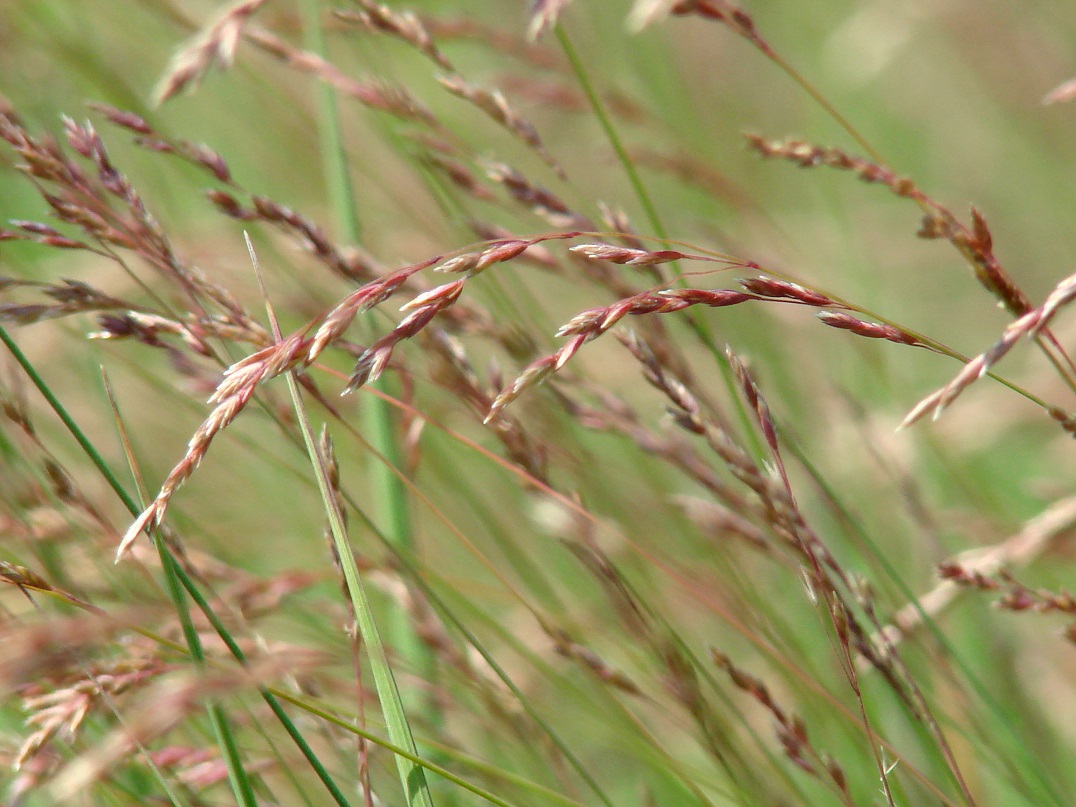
(949, 94)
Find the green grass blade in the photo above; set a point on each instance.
(412, 776)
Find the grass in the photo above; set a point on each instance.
(609, 516)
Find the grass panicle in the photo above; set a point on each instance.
(605, 516)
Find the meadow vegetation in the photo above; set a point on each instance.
(549, 403)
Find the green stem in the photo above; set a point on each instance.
(412, 776)
(390, 494)
(174, 572)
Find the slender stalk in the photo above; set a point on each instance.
(412, 776)
(174, 571)
(389, 495)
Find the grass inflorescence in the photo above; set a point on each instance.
(429, 404)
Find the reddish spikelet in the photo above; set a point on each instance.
(403, 25)
(541, 201)
(71, 296)
(1016, 596)
(786, 290)
(975, 243)
(310, 235)
(362, 299)
(422, 310)
(593, 323)
(808, 155)
(472, 263)
(535, 373)
(128, 120)
(535, 254)
(215, 45)
(231, 396)
(871, 330)
(750, 391)
(458, 174)
(718, 11)
(978, 245)
(722, 11)
(194, 153)
(791, 729)
(543, 17)
(40, 233)
(636, 257)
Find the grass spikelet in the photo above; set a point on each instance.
(496, 106)
(214, 46)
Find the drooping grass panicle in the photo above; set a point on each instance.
(591, 324)
(697, 482)
(1030, 325)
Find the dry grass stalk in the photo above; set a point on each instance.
(1037, 537)
(215, 45)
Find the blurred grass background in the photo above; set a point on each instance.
(949, 93)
